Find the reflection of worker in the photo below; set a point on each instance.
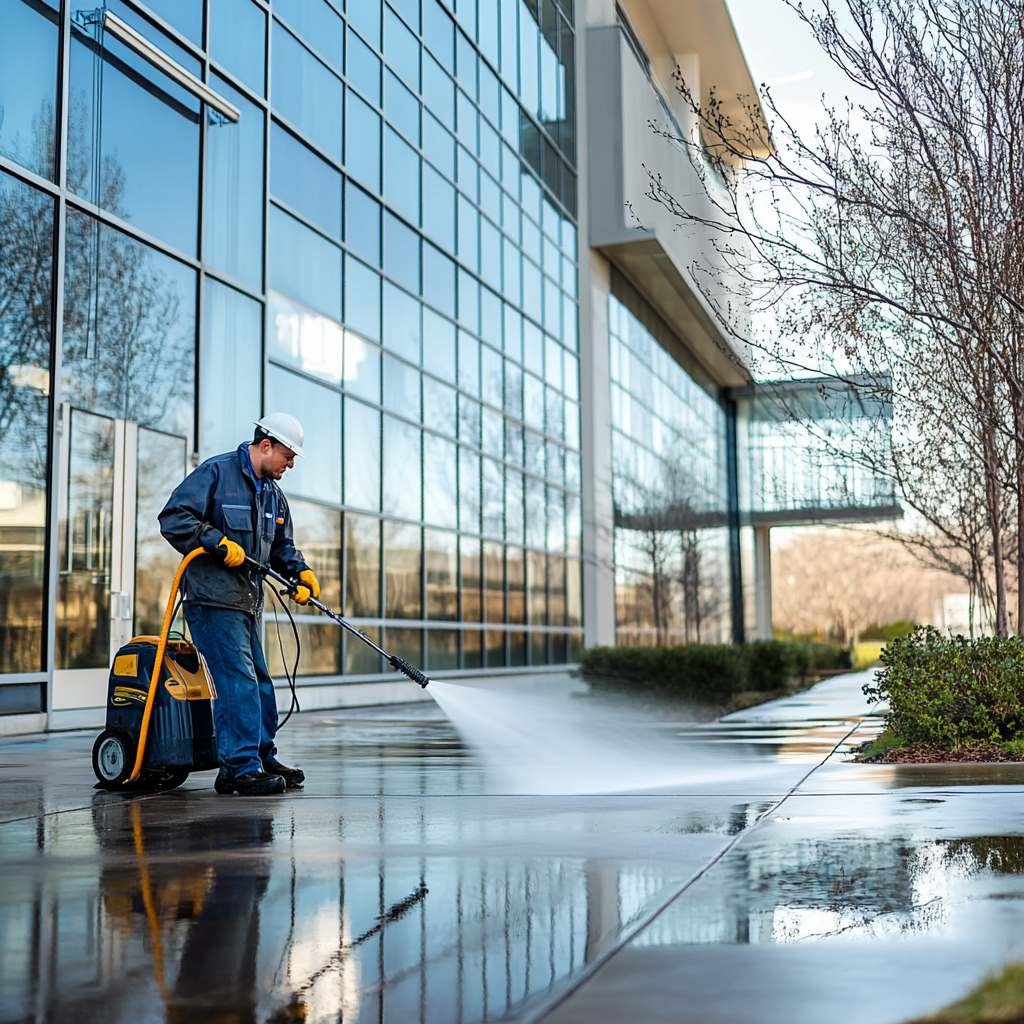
(231, 506)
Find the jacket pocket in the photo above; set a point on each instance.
(237, 517)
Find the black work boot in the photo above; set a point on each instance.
(293, 777)
(250, 784)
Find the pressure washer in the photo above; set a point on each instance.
(158, 732)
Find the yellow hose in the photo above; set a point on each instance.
(161, 648)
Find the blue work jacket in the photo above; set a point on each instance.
(220, 498)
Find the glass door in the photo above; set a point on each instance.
(115, 568)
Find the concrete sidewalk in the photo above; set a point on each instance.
(786, 884)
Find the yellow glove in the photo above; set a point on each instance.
(300, 595)
(234, 553)
(309, 578)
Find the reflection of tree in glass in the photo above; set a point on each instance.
(128, 325)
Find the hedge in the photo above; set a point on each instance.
(951, 691)
(711, 673)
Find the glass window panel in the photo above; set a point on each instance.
(490, 149)
(362, 299)
(511, 119)
(490, 197)
(491, 376)
(318, 537)
(439, 406)
(469, 490)
(438, 144)
(25, 332)
(469, 234)
(304, 339)
(402, 51)
(439, 33)
(472, 649)
(318, 24)
(362, 223)
(509, 42)
(304, 181)
(514, 530)
(556, 519)
(493, 433)
(490, 94)
(538, 648)
(363, 69)
(490, 317)
(438, 279)
(137, 154)
(362, 455)
(536, 523)
(513, 442)
(469, 301)
(401, 253)
(465, 59)
(28, 86)
(513, 389)
(230, 361)
(410, 10)
(438, 208)
(402, 469)
(494, 581)
(233, 214)
(469, 421)
(442, 649)
(129, 329)
(438, 92)
(469, 363)
(401, 387)
(537, 588)
(321, 642)
(401, 323)
(366, 18)
(184, 15)
(511, 281)
(490, 254)
(467, 173)
(556, 591)
(513, 333)
(440, 486)
(515, 567)
(403, 558)
(362, 571)
(440, 554)
(318, 473)
(362, 142)
(438, 345)
(574, 592)
(304, 264)
(359, 658)
(405, 643)
(465, 120)
(306, 93)
(402, 108)
(516, 647)
(238, 40)
(401, 177)
(362, 368)
(470, 578)
(493, 499)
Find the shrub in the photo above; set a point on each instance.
(824, 657)
(888, 630)
(775, 663)
(704, 672)
(948, 691)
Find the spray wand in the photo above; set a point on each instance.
(399, 664)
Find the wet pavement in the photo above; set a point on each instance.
(776, 882)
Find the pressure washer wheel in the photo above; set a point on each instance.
(113, 757)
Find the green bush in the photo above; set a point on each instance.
(825, 657)
(950, 691)
(707, 672)
(889, 630)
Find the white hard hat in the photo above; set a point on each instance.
(285, 428)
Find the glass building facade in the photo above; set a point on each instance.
(382, 241)
(671, 490)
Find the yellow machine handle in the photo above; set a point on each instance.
(161, 648)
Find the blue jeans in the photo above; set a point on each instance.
(245, 711)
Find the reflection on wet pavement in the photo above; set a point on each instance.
(400, 886)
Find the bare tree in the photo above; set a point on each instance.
(889, 243)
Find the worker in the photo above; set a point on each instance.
(232, 507)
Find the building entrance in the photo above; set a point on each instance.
(114, 565)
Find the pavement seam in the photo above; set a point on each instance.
(537, 1015)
